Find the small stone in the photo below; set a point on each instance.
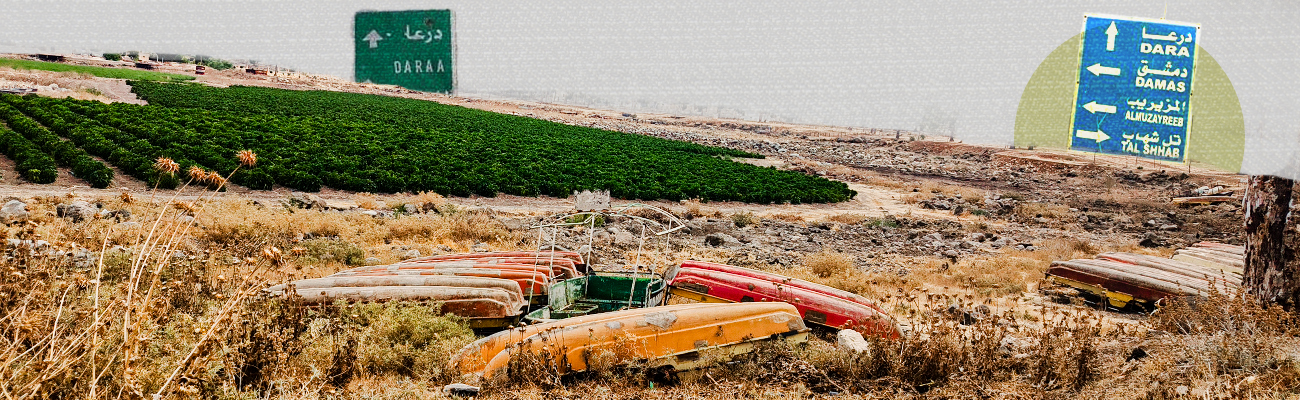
(306, 201)
(410, 254)
(76, 211)
(373, 261)
(13, 210)
(1169, 227)
(410, 208)
(852, 340)
(480, 247)
(461, 390)
(127, 225)
(720, 239)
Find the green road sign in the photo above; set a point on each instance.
(411, 49)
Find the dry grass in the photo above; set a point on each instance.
(787, 216)
(743, 219)
(367, 201)
(1027, 211)
(847, 218)
(827, 263)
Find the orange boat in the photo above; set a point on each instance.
(676, 336)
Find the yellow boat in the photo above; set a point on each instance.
(672, 336)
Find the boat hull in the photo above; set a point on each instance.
(817, 304)
(572, 256)
(531, 284)
(673, 336)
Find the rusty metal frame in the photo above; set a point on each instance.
(588, 218)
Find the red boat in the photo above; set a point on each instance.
(817, 304)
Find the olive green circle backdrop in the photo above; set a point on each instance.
(1218, 131)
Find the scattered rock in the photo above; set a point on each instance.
(625, 237)
(480, 247)
(13, 210)
(852, 340)
(1014, 345)
(967, 316)
(373, 261)
(720, 239)
(1152, 240)
(410, 208)
(409, 254)
(1137, 354)
(116, 215)
(76, 211)
(461, 389)
(306, 201)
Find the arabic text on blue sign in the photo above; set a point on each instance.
(1135, 86)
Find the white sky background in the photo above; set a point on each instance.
(865, 63)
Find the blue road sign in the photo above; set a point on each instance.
(1135, 87)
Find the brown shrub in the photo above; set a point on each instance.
(827, 263)
(847, 218)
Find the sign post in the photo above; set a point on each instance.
(411, 49)
(1134, 93)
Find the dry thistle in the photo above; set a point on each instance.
(127, 198)
(216, 179)
(273, 253)
(164, 164)
(197, 174)
(186, 206)
(247, 158)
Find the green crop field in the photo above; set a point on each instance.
(307, 140)
(103, 72)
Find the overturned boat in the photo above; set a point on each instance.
(677, 337)
(817, 304)
(554, 255)
(483, 302)
(1127, 280)
(562, 268)
(530, 283)
(599, 293)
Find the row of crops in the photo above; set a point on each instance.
(307, 140)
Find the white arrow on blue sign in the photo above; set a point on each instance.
(1135, 87)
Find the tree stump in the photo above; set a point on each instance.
(1267, 205)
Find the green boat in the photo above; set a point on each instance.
(599, 293)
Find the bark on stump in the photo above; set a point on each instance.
(1267, 204)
